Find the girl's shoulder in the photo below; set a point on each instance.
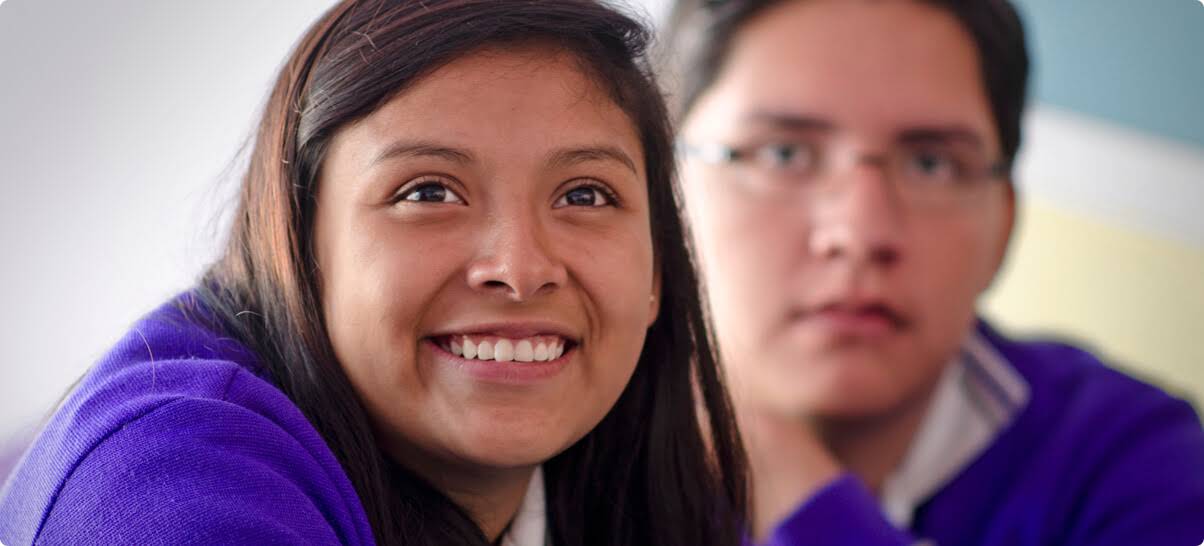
(176, 437)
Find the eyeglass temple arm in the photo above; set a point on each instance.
(712, 152)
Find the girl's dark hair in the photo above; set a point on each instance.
(646, 474)
(699, 34)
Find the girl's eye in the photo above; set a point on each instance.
(430, 192)
(586, 196)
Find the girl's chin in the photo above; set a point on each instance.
(512, 444)
(508, 455)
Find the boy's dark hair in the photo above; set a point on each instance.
(699, 34)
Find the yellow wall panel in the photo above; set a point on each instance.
(1134, 298)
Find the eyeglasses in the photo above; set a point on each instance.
(930, 174)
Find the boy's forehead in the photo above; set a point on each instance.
(863, 66)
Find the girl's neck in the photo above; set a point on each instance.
(491, 498)
(490, 495)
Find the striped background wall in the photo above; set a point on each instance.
(1108, 250)
(1110, 247)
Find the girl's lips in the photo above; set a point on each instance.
(511, 329)
(509, 372)
(535, 348)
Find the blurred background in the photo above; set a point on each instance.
(121, 121)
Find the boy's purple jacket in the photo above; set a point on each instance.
(177, 437)
(1096, 458)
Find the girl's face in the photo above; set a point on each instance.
(486, 260)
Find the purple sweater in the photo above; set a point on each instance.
(175, 438)
(1095, 459)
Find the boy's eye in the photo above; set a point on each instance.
(788, 156)
(585, 196)
(430, 192)
(784, 156)
(931, 166)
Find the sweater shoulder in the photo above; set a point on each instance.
(1094, 457)
(1109, 441)
(1097, 414)
(173, 392)
(203, 471)
(1068, 377)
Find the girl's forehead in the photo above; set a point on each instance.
(528, 99)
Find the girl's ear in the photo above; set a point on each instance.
(654, 299)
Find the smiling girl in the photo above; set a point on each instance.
(456, 307)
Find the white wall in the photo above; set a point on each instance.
(117, 120)
(119, 124)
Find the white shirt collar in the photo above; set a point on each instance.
(978, 395)
(530, 525)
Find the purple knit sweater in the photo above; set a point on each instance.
(175, 438)
(1095, 459)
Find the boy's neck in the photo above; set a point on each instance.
(873, 448)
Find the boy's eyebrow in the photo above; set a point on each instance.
(919, 134)
(567, 157)
(941, 134)
(789, 121)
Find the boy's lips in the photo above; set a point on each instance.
(863, 319)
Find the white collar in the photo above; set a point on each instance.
(978, 395)
(530, 525)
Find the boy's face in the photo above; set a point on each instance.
(844, 292)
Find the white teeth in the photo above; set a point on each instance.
(523, 351)
(485, 351)
(531, 349)
(504, 351)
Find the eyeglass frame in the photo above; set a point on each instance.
(716, 153)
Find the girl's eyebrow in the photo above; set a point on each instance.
(422, 148)
(567, 157)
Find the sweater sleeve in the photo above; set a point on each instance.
(199, 471)
(843, 513)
